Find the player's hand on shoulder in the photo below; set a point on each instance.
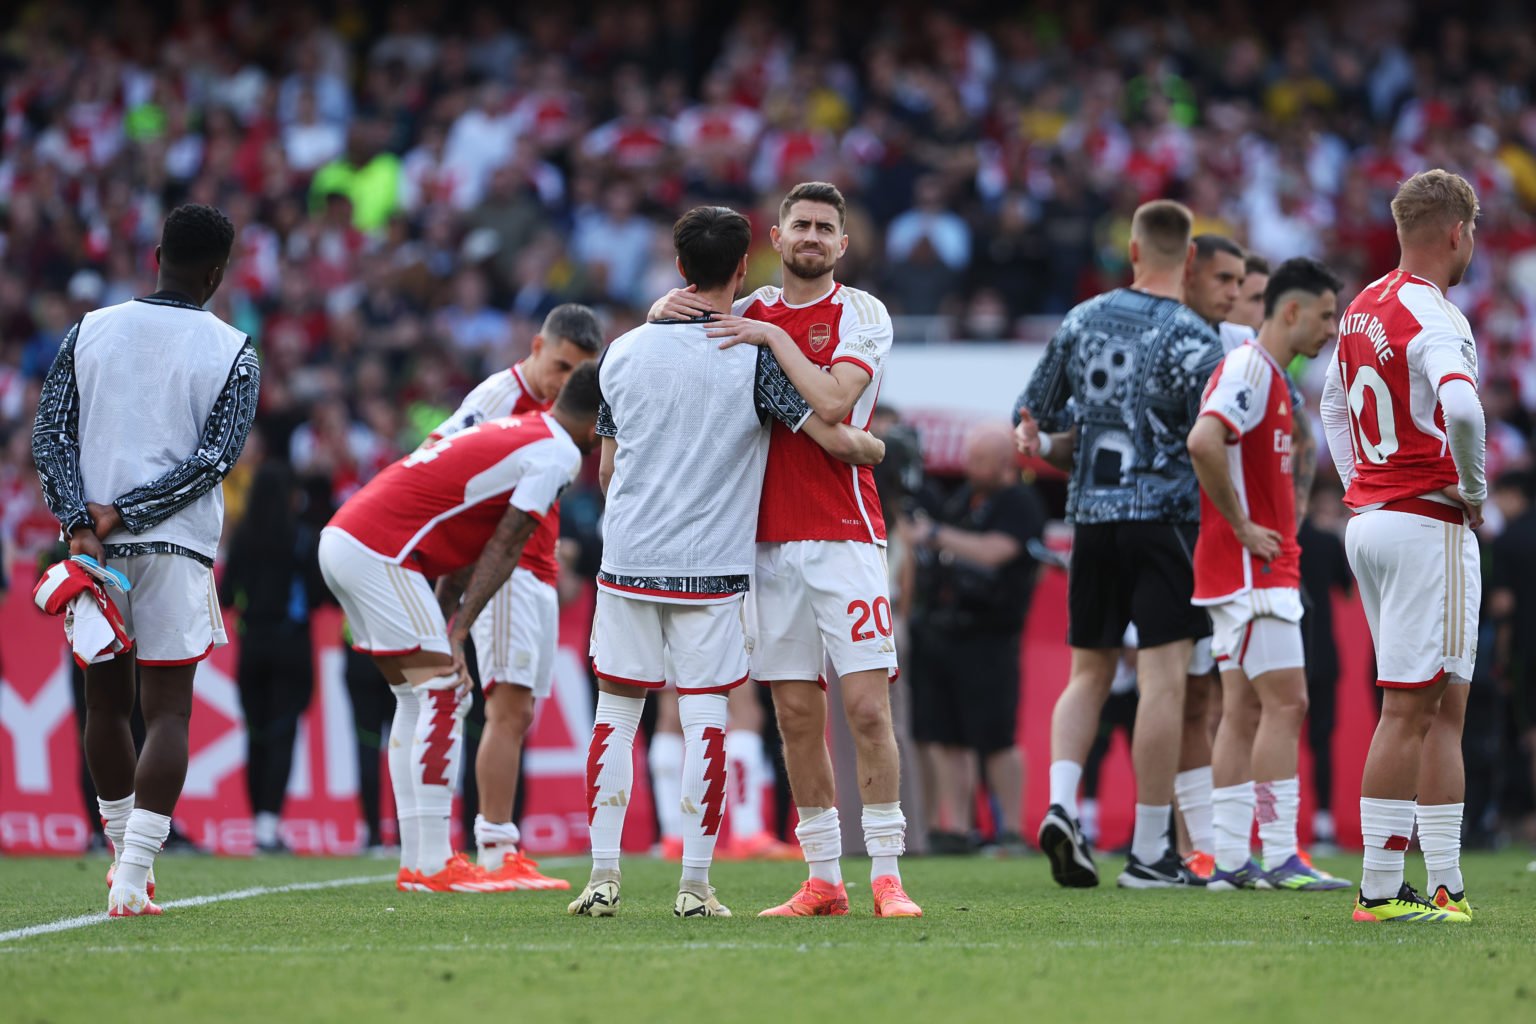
(1261, 540)
(680, 304)
(738, 330)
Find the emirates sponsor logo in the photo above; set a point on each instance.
(821, 336)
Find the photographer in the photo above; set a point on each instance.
(975, 579)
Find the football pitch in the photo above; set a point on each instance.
(293, 939)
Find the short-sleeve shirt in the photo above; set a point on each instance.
(1399, 341)
(1247, 393)
(808, 494)
(507, 394)
(436, 509)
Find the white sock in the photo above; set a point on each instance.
(402, 733)
(1385, 826)
(821, 841)
(704, 777)
(753, 774)
(1232, 818)
(1065, 776)
(437, 749)
(495, 842)
(264, 828)
(142, 839)
(1088, 820)
(114, 821)
(1192, 790)
(1276, 805)
(1149, 841)
(885, 838)
(666, 761)
(611, 775)
(1440, 839)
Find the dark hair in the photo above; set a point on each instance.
(575, 323)
(1208, 245)
(196, 236)
(710, 242)
(1299, 273)
(816, 192)
(581, 393)
(1253, 263)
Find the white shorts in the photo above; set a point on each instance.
(390, 609)
(1258, 632)
(814, 598)
(1421, 584)
(515, 635)
(171, 609)
(700, 648)
(1202, 660)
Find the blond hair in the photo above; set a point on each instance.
(1162, 228)
(1433, 199)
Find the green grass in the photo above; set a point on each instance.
(999, 942)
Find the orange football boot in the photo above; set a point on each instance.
(891, 900)
(522, 872)
(814, 899)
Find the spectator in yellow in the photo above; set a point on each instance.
(366, 174)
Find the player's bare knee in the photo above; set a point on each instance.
(869, 717)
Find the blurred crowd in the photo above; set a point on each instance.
(415, 187)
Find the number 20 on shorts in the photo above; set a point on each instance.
(863, 612)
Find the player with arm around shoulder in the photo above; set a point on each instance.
(1406, 432)
(460, 510)
(1248, 576)
(679, 548)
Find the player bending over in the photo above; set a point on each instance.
(1248, 576)
(516, 636)
(461, 510)
(684, 449)
(1406, 432)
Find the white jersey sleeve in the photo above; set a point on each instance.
(491, 399)
(549, 471)
(766, 294)
(865, 334)
(1441, 354)
(1334, 412)
(1240, 393)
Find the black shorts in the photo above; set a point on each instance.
(965, 689)
(1133, 572)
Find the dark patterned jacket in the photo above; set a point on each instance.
(1127, 369)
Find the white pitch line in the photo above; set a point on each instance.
(86, 920)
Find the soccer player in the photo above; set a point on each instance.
(1132, 363)
(1406, 431)
(461, 510)
(1248, 575)
(822, 586)
(515, 639)
(144, 412)
(678, 552)
(1249, 308)
(1211, 285)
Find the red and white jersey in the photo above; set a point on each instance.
(437, 507)
(1248, 394)
(507, 394)
(630, 142)
(1399, 341)
(807, 494)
